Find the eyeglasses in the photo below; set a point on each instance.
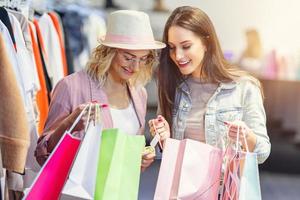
(129, 60)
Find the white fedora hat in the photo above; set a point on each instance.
(129, 29)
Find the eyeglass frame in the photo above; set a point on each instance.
(131, 61)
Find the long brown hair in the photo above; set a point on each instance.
(214, 66)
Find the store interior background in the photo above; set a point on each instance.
(277, 22)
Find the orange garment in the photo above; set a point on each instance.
(42, 94)
(57, 26)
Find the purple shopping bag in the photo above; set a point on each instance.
(189, 170)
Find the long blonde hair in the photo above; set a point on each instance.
(100, 62)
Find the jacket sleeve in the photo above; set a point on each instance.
(255, 118)
(60, 107)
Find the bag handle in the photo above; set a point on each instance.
(97, 113)
(245, 141)
(156, 138)
(88, 117)
(228, 159)
(78, 118)
(89, 106)
(238, 136)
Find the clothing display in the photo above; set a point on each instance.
(34, 57)
(14, 137)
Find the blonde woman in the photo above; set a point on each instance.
(115, 75)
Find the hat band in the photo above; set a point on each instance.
(129, 39)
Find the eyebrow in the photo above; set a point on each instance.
(183, 42)
(135, 55)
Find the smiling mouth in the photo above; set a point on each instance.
(183, 64)
(127, 70)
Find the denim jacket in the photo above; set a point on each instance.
(239, 100)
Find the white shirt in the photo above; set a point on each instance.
(125, 119)
(52, 48)
(25, 60)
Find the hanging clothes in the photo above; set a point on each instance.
(14, 137)
(5, 20)
(28, 71)
(42, 94)
(59, 29)
(24, 25)
(44, 57)
(26, 63)
(51, 45)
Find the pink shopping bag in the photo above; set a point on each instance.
(189, 170)
(51, 178)
(241, 175)
(231, 183)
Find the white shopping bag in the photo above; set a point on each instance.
(82, 178)
(2, 178)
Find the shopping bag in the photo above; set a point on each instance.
(189, 170)
(51, 178)
(241, 176)
(231, 179)
(82, 178)
(2, 178)
(1, 166)
(119, 165)
(250, 184)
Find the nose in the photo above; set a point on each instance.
(179, 54)
(136, 65)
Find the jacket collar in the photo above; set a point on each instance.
(136, 102)
(228, 86)
(223, 85)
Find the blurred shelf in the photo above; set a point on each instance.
(284, 81)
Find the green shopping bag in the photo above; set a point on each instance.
(119, 165)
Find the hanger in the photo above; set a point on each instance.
(11, 4)
(17, 5)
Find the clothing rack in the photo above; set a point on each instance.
(12, 3)
(18, 5)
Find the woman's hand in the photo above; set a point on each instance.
(65, 123)
(147, 160)
(161, 127)
(245, 133)
(83, 120)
